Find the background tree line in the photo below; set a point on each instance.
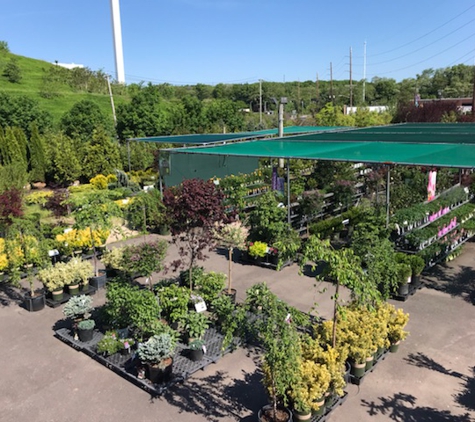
(56, 124)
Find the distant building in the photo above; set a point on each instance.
(68, 65)
(372, 109)
(463, 104)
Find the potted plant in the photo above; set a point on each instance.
(109, 344)
(196, 324)
(287, 246)
(279, 338)
(126, 345)
(258, 296)
(173, 301)
(145, 258)
(396, 324)
(113, 260)
(404, 276)
(78, 307)
(354, 333)
(210, 285)
(81, 271)
(94, 215)
(229, 318)
(196, 350)
(54, 279)
(85, 329)
(309, 392)
(157, 354)
(257, 250)
(33, 301)
(417, 266)
(231, 236)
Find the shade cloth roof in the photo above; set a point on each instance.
(441, 145)
(222, 137)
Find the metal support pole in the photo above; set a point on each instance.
(388, 182)
(281, 120)
(260, 102)
(288, 191)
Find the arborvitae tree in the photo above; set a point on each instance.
(14, 148)
(101, 155)
(37, 157)
(64, 165)
(22, 143)
(12, 176)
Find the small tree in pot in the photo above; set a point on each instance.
(281, 364)
(145, 259)
(195, 207)
(96, 213)
(157, 353)
(231, 236)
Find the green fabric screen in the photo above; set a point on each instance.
(187, 166)
(440, 145)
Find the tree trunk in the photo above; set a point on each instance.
(335, 314)
(230, 254)
(94, 258)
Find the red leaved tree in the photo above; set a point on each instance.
(11, 207)
(194, 208)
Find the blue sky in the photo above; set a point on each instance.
(239, 41)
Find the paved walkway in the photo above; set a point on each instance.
(431, 378)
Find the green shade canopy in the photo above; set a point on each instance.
(208, 138)
(440, 145)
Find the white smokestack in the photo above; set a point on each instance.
(117, 32)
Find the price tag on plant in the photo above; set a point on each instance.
(200, 306)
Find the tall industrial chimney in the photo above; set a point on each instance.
(117, 32)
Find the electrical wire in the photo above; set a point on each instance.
(425, 60)
(424, 35)
(425, 46)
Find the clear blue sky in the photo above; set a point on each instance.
(238, 41)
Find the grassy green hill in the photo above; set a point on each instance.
(40, 78)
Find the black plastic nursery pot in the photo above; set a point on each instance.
(231, 293)
(158, 374)
(266, 414)
(85, 335)
(100, 280)
(196, 354)
(35, 303)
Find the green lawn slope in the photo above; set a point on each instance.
(33, 73)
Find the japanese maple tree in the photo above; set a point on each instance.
(11, 207)
(194, 208)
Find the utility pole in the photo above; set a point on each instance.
(331, 84)
(351, 79)
(298, 94)
(364, 73)
(260, 102)
(112, 100)
(318, 91)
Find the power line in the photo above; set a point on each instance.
(431, 57)
(423, 36)
(425, 46)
